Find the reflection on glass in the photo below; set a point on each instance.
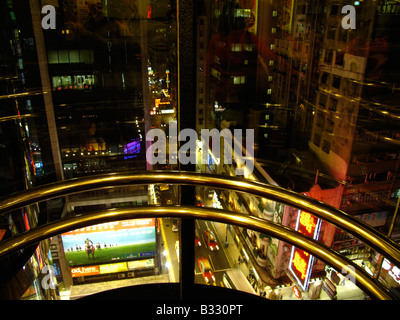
(317, 87)
(321, 101)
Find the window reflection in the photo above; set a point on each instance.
(322, 101)
(318, 97)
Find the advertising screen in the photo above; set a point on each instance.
(110, 242)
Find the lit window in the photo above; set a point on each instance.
(239, 80)
(236, 47)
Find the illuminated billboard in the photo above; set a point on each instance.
(110, 242)
(301, 262)
(112, 268)
(132, 149)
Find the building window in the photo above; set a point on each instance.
(326, 146)
(328, 56)
(216, 74)
(242, 13)
(320, 119)
(249, 47)
(329, 125)
(333, 104)
(239, 80)
(236, 47)
(339, 59)
(70, 56)
(322, 100)
(336, 82)
(317, 140)
(334, 10)
(76, 82)
(325, 78)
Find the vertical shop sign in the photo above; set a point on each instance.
(301, 262)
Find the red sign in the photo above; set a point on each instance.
(301, 262)
(307, 224)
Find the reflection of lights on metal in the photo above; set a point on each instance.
(237, 238)
(165, 253)
(256, 274)
(168, 265)
(386, 265)
(245, 255)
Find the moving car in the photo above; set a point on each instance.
(211, 241)
(206, 269)
(199, 201)
(175, 225)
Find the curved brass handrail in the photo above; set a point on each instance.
(319, 250)
(356, 227)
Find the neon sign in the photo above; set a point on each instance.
(297, 292)
(307, 221)
(301, 262)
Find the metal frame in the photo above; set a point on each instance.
(326, 254)
(340, 219)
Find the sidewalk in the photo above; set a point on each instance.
(233, 253)
(265, 277)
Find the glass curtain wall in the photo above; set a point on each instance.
(297, 94)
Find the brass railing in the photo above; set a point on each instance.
(360, 230)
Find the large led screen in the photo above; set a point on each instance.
(110, 242)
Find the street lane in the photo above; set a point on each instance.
(218, 259)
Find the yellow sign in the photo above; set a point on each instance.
(114, 267)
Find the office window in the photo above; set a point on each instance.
(63, 56)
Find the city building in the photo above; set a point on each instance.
(89, 100)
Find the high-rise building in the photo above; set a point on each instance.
(110, 88)
(354, 130)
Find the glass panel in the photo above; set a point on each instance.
(307, 90)
(106, 64)
(295, 74)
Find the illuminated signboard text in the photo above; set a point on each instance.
(301, 262)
